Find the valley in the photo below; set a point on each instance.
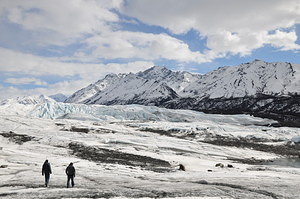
(136, 154)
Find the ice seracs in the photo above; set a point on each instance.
(50, 109)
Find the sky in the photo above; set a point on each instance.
(50, 47)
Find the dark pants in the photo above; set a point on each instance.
(70, 177)
(47, 177)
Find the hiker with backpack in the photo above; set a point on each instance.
(70, 171)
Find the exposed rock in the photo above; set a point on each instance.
(17, 138)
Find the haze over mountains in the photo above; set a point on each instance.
(260, 88)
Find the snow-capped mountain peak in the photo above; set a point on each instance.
(249, 79)
(27, 100)
(155, 72)
(89, 91)
(250, 87)
(131, 88)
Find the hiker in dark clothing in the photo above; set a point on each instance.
(46, 170)
(70, 171)
(181, 167)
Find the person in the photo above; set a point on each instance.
(46, 170)
(70, 171)
(181, 167)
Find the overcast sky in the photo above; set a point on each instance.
(60, 46)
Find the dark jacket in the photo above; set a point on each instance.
(70, 170)
(46, 168)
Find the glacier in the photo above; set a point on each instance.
(134, 151)
(45, 107)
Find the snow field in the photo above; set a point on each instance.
(144, 131)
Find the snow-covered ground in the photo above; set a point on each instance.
(134, 152)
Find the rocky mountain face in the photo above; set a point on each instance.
(259, 88)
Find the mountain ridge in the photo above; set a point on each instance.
(226, 90)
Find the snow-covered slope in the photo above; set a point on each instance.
(22, 105)
(26, 100)
(260, 88)
(151, 87)
(59, 97)
(134, 151)
(250, 79)
(124, 89)
(176, 80)
(89, 91)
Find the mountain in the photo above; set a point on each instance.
(26, 100)
(249, 79)
(132, 89)
(259, 88)
(154, 86)
(59, 97)
(89, 91)
(178, 81)
(23, 105)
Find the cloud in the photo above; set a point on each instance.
(245, 43)
(144, 46)
(10, 92)
(66, 87)
(86, 39)
(26, 64)
(233, 26)
(230, 27)
(25, 80)
(95, 24)
(61, 21)
(11, 61)
(283, 40)
(210, 16)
